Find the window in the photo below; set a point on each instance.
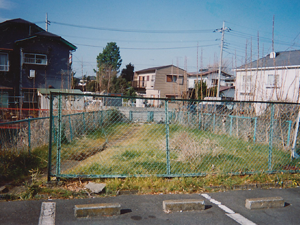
(4, 64)
(180, 80)
(30, 97)
(172, 78)
(246, 84)
(39, 59)
(214, 82)
(273, 80)
(3, 99)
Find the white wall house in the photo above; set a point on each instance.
(274, 77)
(210, 77)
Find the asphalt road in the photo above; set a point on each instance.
(147, 209)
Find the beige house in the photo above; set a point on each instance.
(161, 82)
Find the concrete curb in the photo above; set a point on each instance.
(183, 205)
(94, 210)
(262, 203)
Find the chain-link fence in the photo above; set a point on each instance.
(112, 137)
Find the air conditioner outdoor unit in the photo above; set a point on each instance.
(32, 74)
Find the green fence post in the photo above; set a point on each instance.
(29, 137)
(230, 131)
(255, 125)
(83, 120)
(71, 135)
(130, 115)
(289, 133)
(271, 138)
(167, 137)
(59, 137)
(214, 122)
(199, 124)
(101, 118)
(94, 120)
(50, 138)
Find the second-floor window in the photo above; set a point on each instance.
(273, 80)
(31, 58)
(4, 63)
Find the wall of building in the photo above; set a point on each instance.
(258, 89)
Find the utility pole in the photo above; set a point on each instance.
(47, 22)
(222, 30)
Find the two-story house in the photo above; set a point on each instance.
(210, 77)
(31, 58)
(161, 82)
(274, 77)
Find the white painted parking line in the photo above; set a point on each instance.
(235, 216)
(47, 215)
(226, 209)
(215, 201)
(240, 219)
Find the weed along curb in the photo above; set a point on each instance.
(262, 203)
(94, 210)
(183, 205)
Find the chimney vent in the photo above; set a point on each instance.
(272, 55)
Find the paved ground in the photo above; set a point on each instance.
(147, 209)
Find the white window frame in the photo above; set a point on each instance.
(246, 83)
(273, 80)
(36, 59)
(4, 67)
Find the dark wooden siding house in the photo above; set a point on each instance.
(31, 58)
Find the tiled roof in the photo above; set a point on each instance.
(285, 58)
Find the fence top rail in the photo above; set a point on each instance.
(168, 99)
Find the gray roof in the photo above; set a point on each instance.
(153, 69)
(285, 58)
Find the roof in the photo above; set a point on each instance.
(153, 69)
(207, 73)
(224, 88)
(282, 59)
(46, 91)
(39, 32)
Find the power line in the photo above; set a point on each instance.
(165, 48)
(135, 41)
(133, 30)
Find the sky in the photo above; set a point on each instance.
(185, 33)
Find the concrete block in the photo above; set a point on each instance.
(262, 203)
(183, 205)
(95, 187)
(94, 210)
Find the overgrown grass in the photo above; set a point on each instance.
(191, 151)
(15, 166)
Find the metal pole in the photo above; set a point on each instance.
(289, 133)
(71, 136)
(255, 126)
(29, 136)
(58, 137)
(50, 137)
(271, 138)
(167, 137)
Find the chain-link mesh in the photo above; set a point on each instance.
(114, 138)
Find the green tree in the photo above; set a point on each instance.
(108, 63)
(128, 72)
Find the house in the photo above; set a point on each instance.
(210, 77)
(161, 82)
(31, 58)
(274, 77)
